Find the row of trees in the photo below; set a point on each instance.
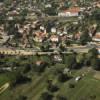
(72, 61)
(75, 61)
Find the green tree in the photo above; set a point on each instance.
(85, 37)
(45, 46)
(62, 77)
(95, 63)
(71, 61)
(18, 78)
(24, 12)
(50, 11)
(60, 97)
(93, 52)
(62, 47)
(80, 58)
(52, 87)
(21, 97)
(96, 14)
(41, 67)
(46, 96)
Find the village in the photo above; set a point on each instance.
(49, 49)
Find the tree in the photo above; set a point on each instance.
(62, 47)
(52, 87)
(96, 15)
(27, 68)
(49, 24)
(46, 96)
(93, 53)
(50, 11)
(62, 77)
(80, 58)
(95, 63)
(85, 37)
(92, 97)
(24, 12)
(68, 42)
(60, 97)
(40, 67)
(18, 78)
(71, 61)
(87, 60)
(21, 97)
(71, 85)
(45, 46)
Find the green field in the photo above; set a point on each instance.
(83, 90)
(3, 79)
(87, 88)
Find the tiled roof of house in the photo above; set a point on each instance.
(40, 34)
(72, 10)
(39, 62)
(97, 35)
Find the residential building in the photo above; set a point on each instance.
(71, 12)
(96, 37)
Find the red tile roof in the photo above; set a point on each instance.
(73, 10)
(97, 35)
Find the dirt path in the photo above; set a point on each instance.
(4, 87)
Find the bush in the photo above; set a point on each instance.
(62, 77)
(59, 97)
(52, 88)
(46, 96)
(71, 85)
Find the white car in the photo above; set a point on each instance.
(77, 78)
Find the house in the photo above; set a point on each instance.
(96, 4)
(63, 37)
(77, 36)
(42, 28)
(10, 18)
(71, 12)
(48, 6)
(13, 13)
(39, 36)
(53, 30)
(57, 58)
(54, 38)
(38, 63)
(96, 37)
(21, 30)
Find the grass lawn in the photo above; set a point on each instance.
(3, 79)
(32, 90)
(88, 86)
(83, 90)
